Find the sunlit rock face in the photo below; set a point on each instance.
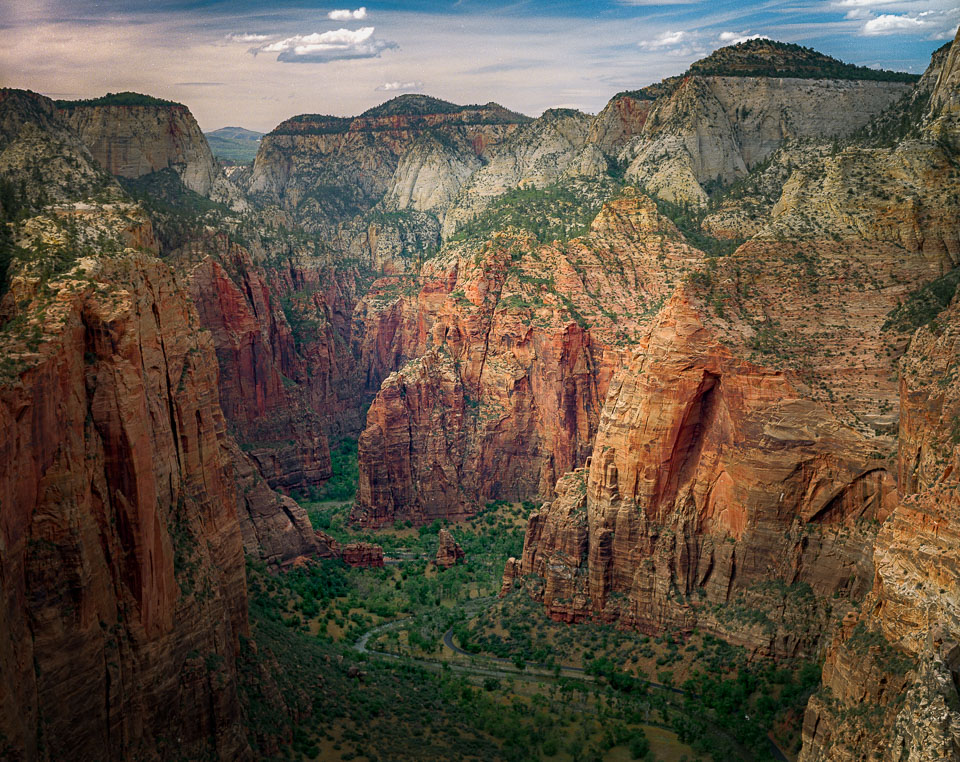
(512, 346)
(132, 141)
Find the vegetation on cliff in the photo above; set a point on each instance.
(117, 99)
(555, 213)
(770, 58)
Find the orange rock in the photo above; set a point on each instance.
(121, 552)
(363, 554)
(449, 552)
(719, 466)
(504, 390)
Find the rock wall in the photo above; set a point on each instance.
(130, 141)
(714, 129)
(122, 564)
(124, 503)
(743, 456)
(513, 346)
(327, 169)
(535, 156)
(944, 118)
(891, 674)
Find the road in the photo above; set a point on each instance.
(495, 666)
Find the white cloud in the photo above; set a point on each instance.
(865, 3)
(394, 87)
(248, 37)
(348, 15)
(936, 23)
(665, 40)
(889, 22)
(322, 47)
(735, 38)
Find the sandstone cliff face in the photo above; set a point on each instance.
(891, 180)
(429, 175)
(535, 156)
(944, 118)
(511, 346)
(715, 128)
(904, 194)
(130, 141)
(122, 564)
(125, 503)
(897, 662)
(325, 169)
(288, 379)
(619, 121)
(253, 340)
(746, 444)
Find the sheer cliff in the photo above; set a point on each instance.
(746, 454)
(123, 582)
(131, 135)
(125, 505)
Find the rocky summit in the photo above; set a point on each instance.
(654, 412)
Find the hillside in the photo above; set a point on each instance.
(769, 58)
(234, 144)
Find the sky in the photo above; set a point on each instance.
(254, 64)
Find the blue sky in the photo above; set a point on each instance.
(253, 64)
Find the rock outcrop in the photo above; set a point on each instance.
(326, 169)
(745, 444)
(362, 554)
(535, 156)
(449, 552)
(713, 128)
(619, 121)
(514, 344)
(890, 676)
(258, 360)
(122, 564)
(134, 140)
(944, 117)
(124, 502)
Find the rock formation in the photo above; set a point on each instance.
(362, 554)
(514, 346)
(121, 540)
(122, 563)
(897, 661)
(714, 127)
(534, 156)
(323, 169)
(720, 438)
(134, 140)
(449, 552)
(891, 673)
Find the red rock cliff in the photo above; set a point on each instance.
(122, 562)
(517, 343)
(897, 662)
(744, 443)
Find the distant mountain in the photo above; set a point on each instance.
(235, 144)
(770, 58)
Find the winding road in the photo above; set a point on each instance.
(495, 666)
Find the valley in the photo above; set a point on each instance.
(445, 432)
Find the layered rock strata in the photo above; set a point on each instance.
(131, 141)
(514, 345)
(124, 590)
(324, 169)
(890, 676)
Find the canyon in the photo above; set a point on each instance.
(710, 333)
